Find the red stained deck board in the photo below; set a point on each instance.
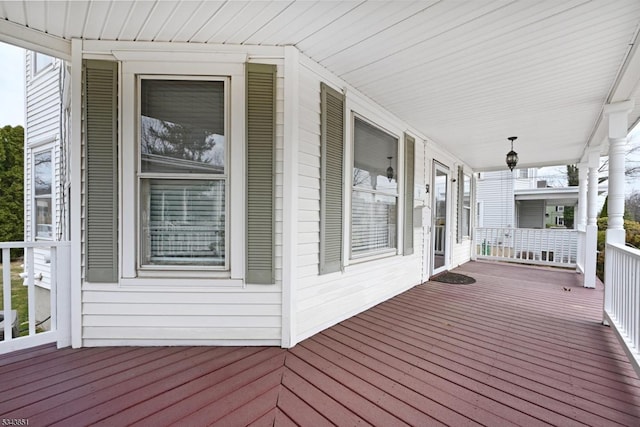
(300, 412)
(384, 399)
(324, 403)
(559, 378)
(282, 420)
(404, 386)
(544, 408)
(197, 390)
(261, 407)
(240, 401)
(69, 390)
(456, 397)
(316, 371)
(133, 392)
(511, 349)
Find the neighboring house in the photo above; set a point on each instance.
(519, 199)
(45, 154)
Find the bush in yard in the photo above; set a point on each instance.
(12, 184)
(632, 237)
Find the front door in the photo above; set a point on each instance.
(439, 238)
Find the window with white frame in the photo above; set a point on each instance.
(466, 206)
(40, 62)
(183, 173)
(559, 220)
(374, 200)
(43, 194)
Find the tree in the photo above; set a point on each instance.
(573, 180)
(11, 183)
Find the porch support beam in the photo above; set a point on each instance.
(30, 39)
(75, 164)
(591, 229)
(618, 129)
(581, 214)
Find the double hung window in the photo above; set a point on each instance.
(374, 200)
(42, 190)
(183, 173)
(466, 205)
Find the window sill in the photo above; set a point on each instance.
(374, 256)
(182, 283)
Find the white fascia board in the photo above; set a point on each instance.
(30, 39)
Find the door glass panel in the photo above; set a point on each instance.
(439, 219)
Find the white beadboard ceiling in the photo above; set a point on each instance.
(466, 74)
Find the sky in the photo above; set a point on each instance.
(11, 85)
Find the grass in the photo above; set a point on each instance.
(19, 299)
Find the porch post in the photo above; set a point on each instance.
(591, 237)
(581, 214)
(618, 129)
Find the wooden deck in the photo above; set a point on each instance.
(515, 348)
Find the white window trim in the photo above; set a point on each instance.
(37, 148)
(378, 122)
(37, 73)
(235, 147)
(467, 209)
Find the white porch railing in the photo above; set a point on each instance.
(622, 297)
(556, 247)
(59, 269)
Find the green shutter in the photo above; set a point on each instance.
(101, 137)
(261, 117)
(409, 172)
(331, 179)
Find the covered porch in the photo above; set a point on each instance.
(522, 346)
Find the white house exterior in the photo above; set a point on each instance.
(519, 199)
(252, 173)
(46, 145)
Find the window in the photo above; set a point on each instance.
(40, 62)
(523, 173)
(466, 206)
(559, 220)
(559, 208)
(374, 199)
(42, 190)
(183, 173)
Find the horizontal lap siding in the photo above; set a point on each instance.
(323, 300)
(495, 191)
(43, 109)
(133, 315)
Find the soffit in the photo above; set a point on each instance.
(465, 74)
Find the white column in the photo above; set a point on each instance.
(591, 238)
(618, 129)
(581, 215)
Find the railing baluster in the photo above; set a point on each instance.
(6, 292)
(31, 291)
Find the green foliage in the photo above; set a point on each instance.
(632, 237)
(11, 183)
(605, 208)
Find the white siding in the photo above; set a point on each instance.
(495, 191)
(43, 132)
(323, 300)
(192, 313)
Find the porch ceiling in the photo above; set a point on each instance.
(465, 74)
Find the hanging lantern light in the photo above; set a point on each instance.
(390, 170)
(512, 156)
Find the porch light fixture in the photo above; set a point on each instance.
(389, 170)
(512, 156)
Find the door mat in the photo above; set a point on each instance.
(453, 278)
